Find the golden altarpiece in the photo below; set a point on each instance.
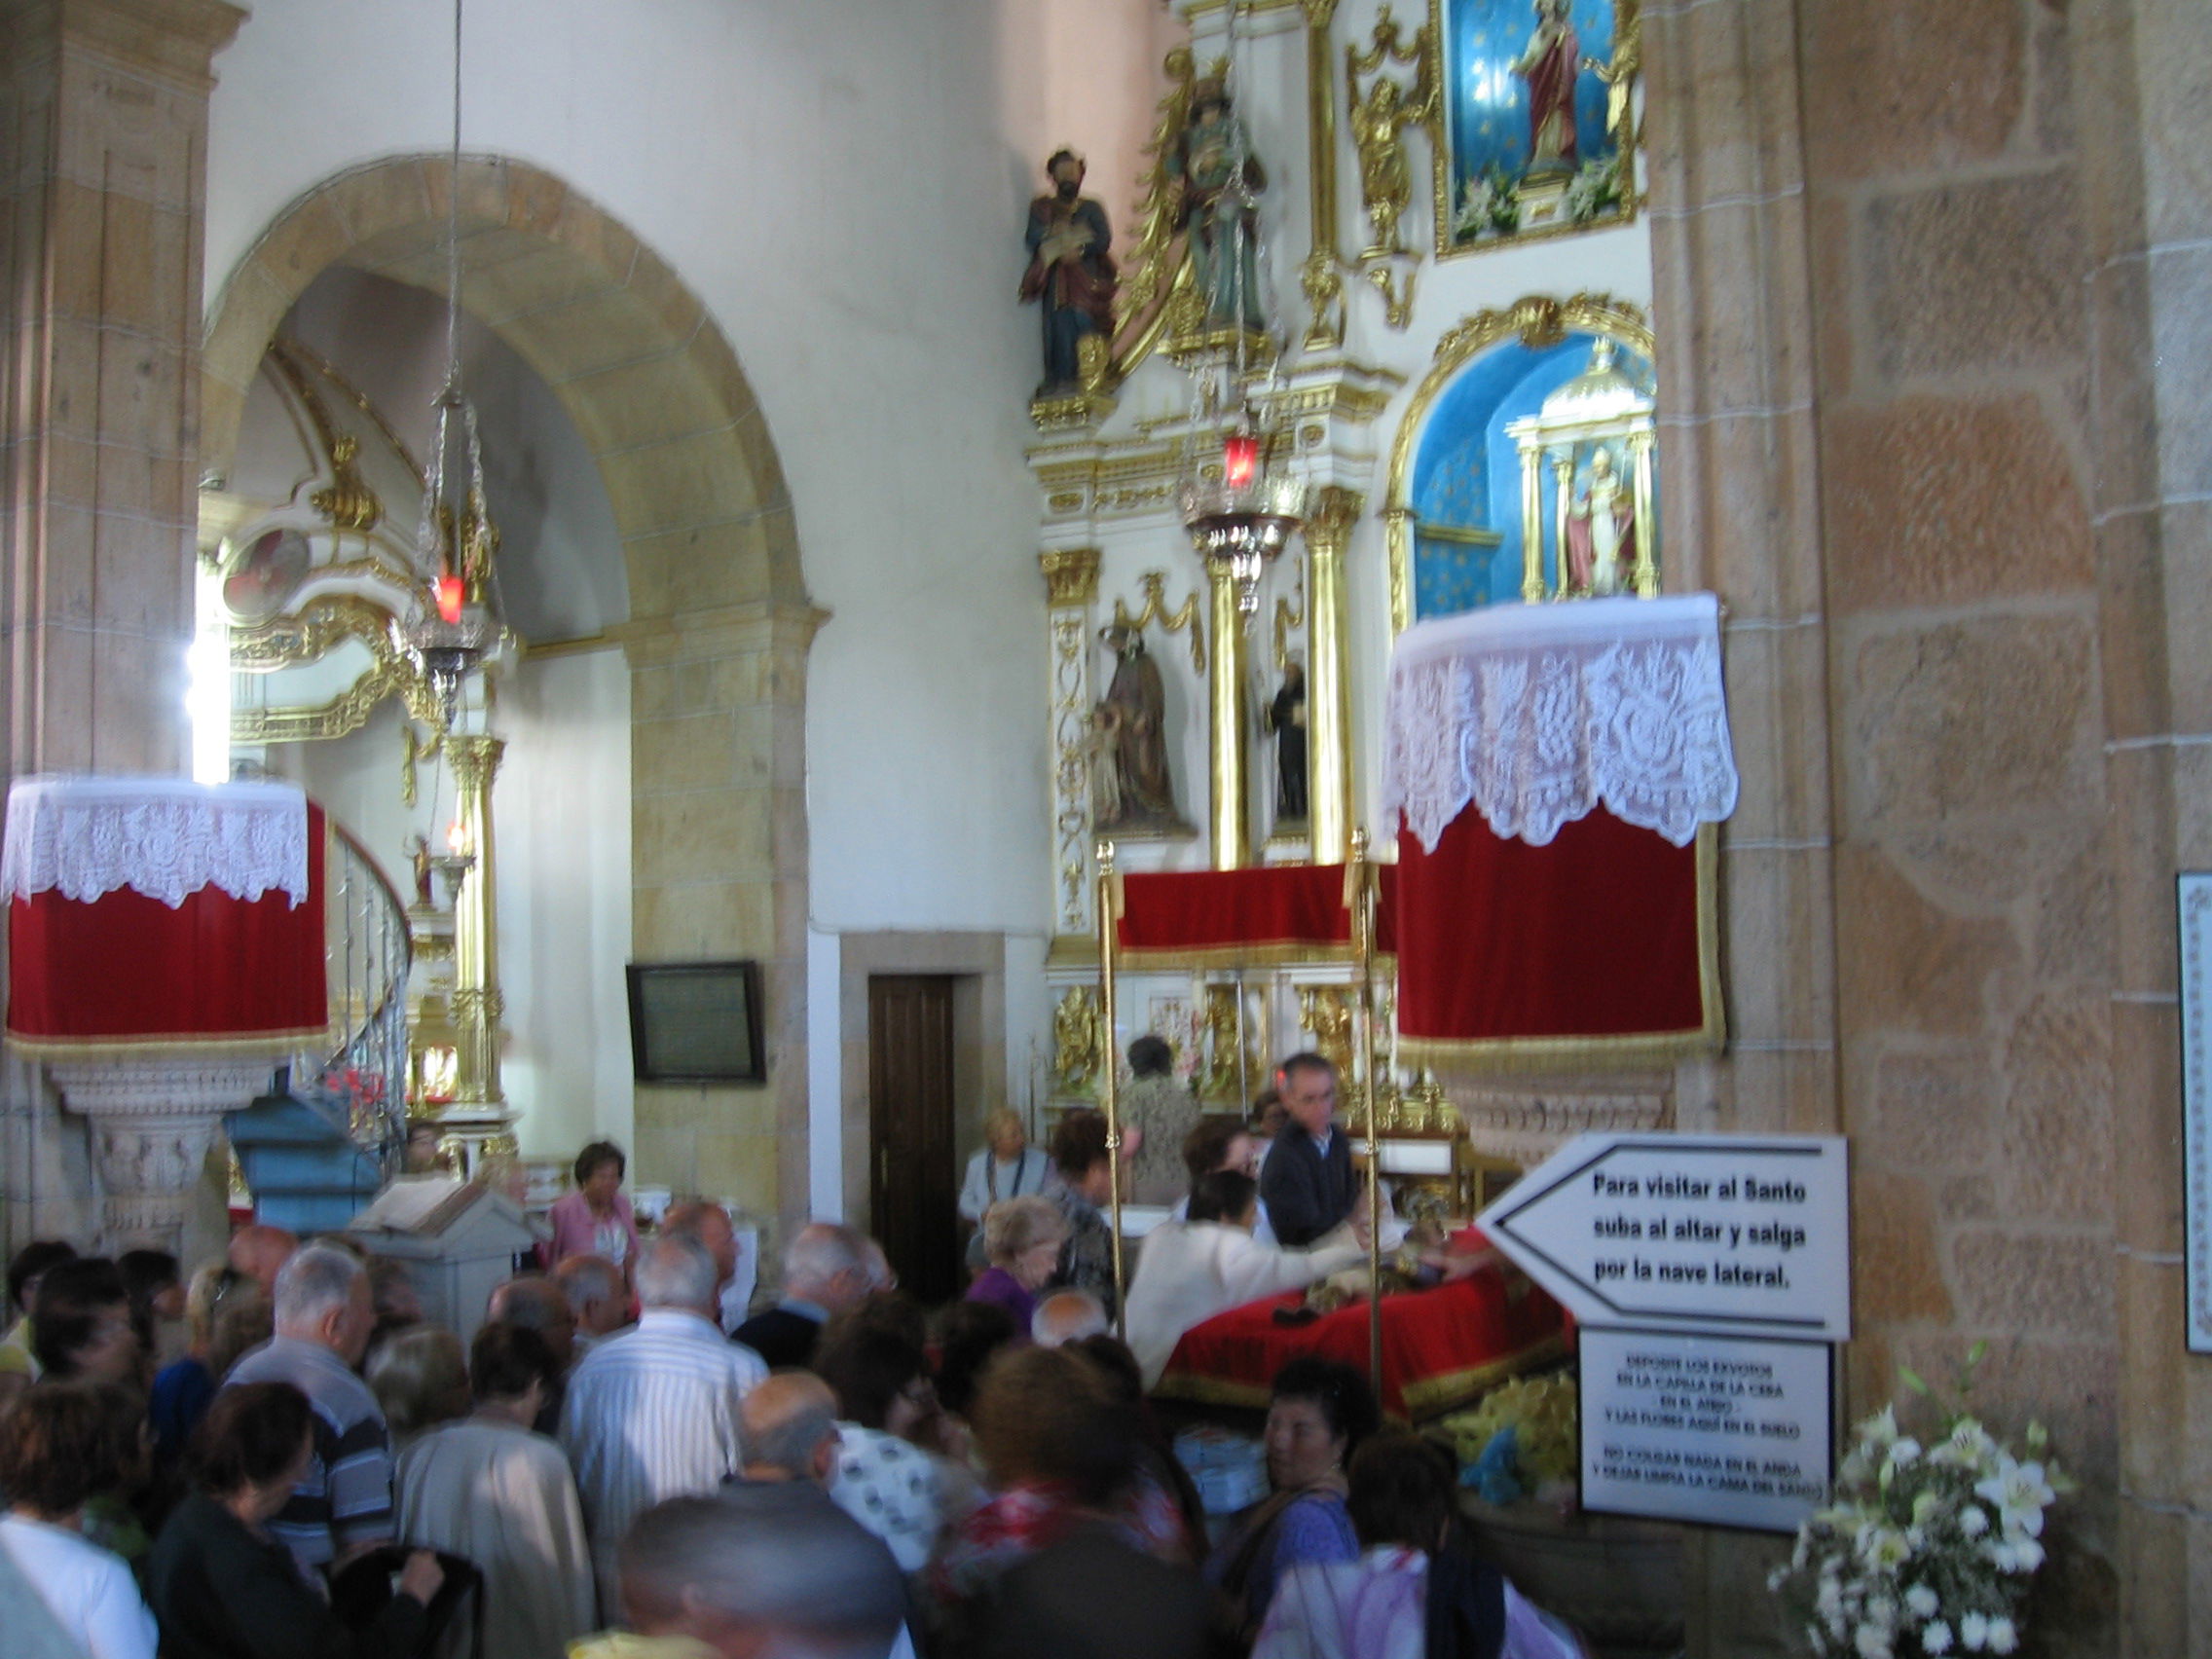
(1340, 381)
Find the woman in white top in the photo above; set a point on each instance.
(1007, 1166)
(1190, 1271)
(58, 1449)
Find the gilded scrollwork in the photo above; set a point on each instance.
(1070, 575)
(1154, 586)
(1078, 1040)
(1326, 1011)
(1229, 1070)
(1071, 767)
(1397, 286)
(1379, 117)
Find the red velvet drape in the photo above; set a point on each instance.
(1595, 934)
(127, 971)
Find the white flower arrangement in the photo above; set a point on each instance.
(1926, 1549)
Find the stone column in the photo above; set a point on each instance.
(152, 1123)
(105, 105)
(1328, 676)
(1071, 586)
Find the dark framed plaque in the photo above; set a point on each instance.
(696, 1022)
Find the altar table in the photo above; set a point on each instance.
(1441, 1347)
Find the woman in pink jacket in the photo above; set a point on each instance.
(594, 1219)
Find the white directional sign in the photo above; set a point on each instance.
(1746, 1236)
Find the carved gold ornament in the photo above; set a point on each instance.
(1154, 586)
(1379, 117)
(1078, 1044)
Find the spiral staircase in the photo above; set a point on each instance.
(320, 1144)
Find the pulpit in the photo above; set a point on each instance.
(165, 950)
(1555, 771)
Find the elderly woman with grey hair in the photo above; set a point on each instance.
(1022, 1236)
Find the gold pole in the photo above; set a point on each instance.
(1109, 1092)
(478, 1112)
(1328, 676)
(1230, 750)
(1363, 947)
(1532, 524)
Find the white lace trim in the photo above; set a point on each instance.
(1535, 713)
(166, 837)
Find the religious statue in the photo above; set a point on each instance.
(1070, 273)
(1131, 721)
(1600, 531)
(1550, 63)
(1218, 180)
(419, 860)
(1285, 717)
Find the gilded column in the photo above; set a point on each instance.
(1328, 673)
(1533, 523)
(1322, 278)
(1230, 744)
(1071, 587)
(1646, 571)
(478, 1114)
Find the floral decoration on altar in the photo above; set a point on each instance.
(1930, 1548)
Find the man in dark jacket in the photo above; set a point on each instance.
(1306, 1180)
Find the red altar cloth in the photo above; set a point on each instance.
(1441, 1347)
(127, 972)
(1508, 950)
(1227, 918)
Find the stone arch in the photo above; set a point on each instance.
(719, 621)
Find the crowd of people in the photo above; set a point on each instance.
(281, 1458)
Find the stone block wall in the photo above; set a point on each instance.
(1932, 294)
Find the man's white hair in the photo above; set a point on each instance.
(677, 1272)
(316, 1280)
(588, 1279)
(1067, 1316)
(820, 1251)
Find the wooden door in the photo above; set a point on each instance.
(912, 1182)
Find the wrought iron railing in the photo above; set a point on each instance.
(360, 1083)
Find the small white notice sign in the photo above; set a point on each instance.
(1744, 1234)
(1723, 1430)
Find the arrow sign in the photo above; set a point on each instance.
(1742, 1235)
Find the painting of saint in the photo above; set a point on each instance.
(1540, 118)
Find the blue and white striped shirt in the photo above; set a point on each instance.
(652, 1414)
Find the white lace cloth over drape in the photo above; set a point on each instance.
(1536, 713)
(166, 837)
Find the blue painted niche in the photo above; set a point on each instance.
(1467, 472)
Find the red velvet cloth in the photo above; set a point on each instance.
(127, 971)
(1440, 1347)
(1282, 912)
(1595, 934)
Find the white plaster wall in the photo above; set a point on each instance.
(837, 182)
(562, 813)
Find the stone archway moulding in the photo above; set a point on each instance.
(719, 621)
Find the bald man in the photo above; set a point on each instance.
(260, 1252)
(768, 1567)
(790, 1427)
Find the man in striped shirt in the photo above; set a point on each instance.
(343, 1504)
(653, 1413)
